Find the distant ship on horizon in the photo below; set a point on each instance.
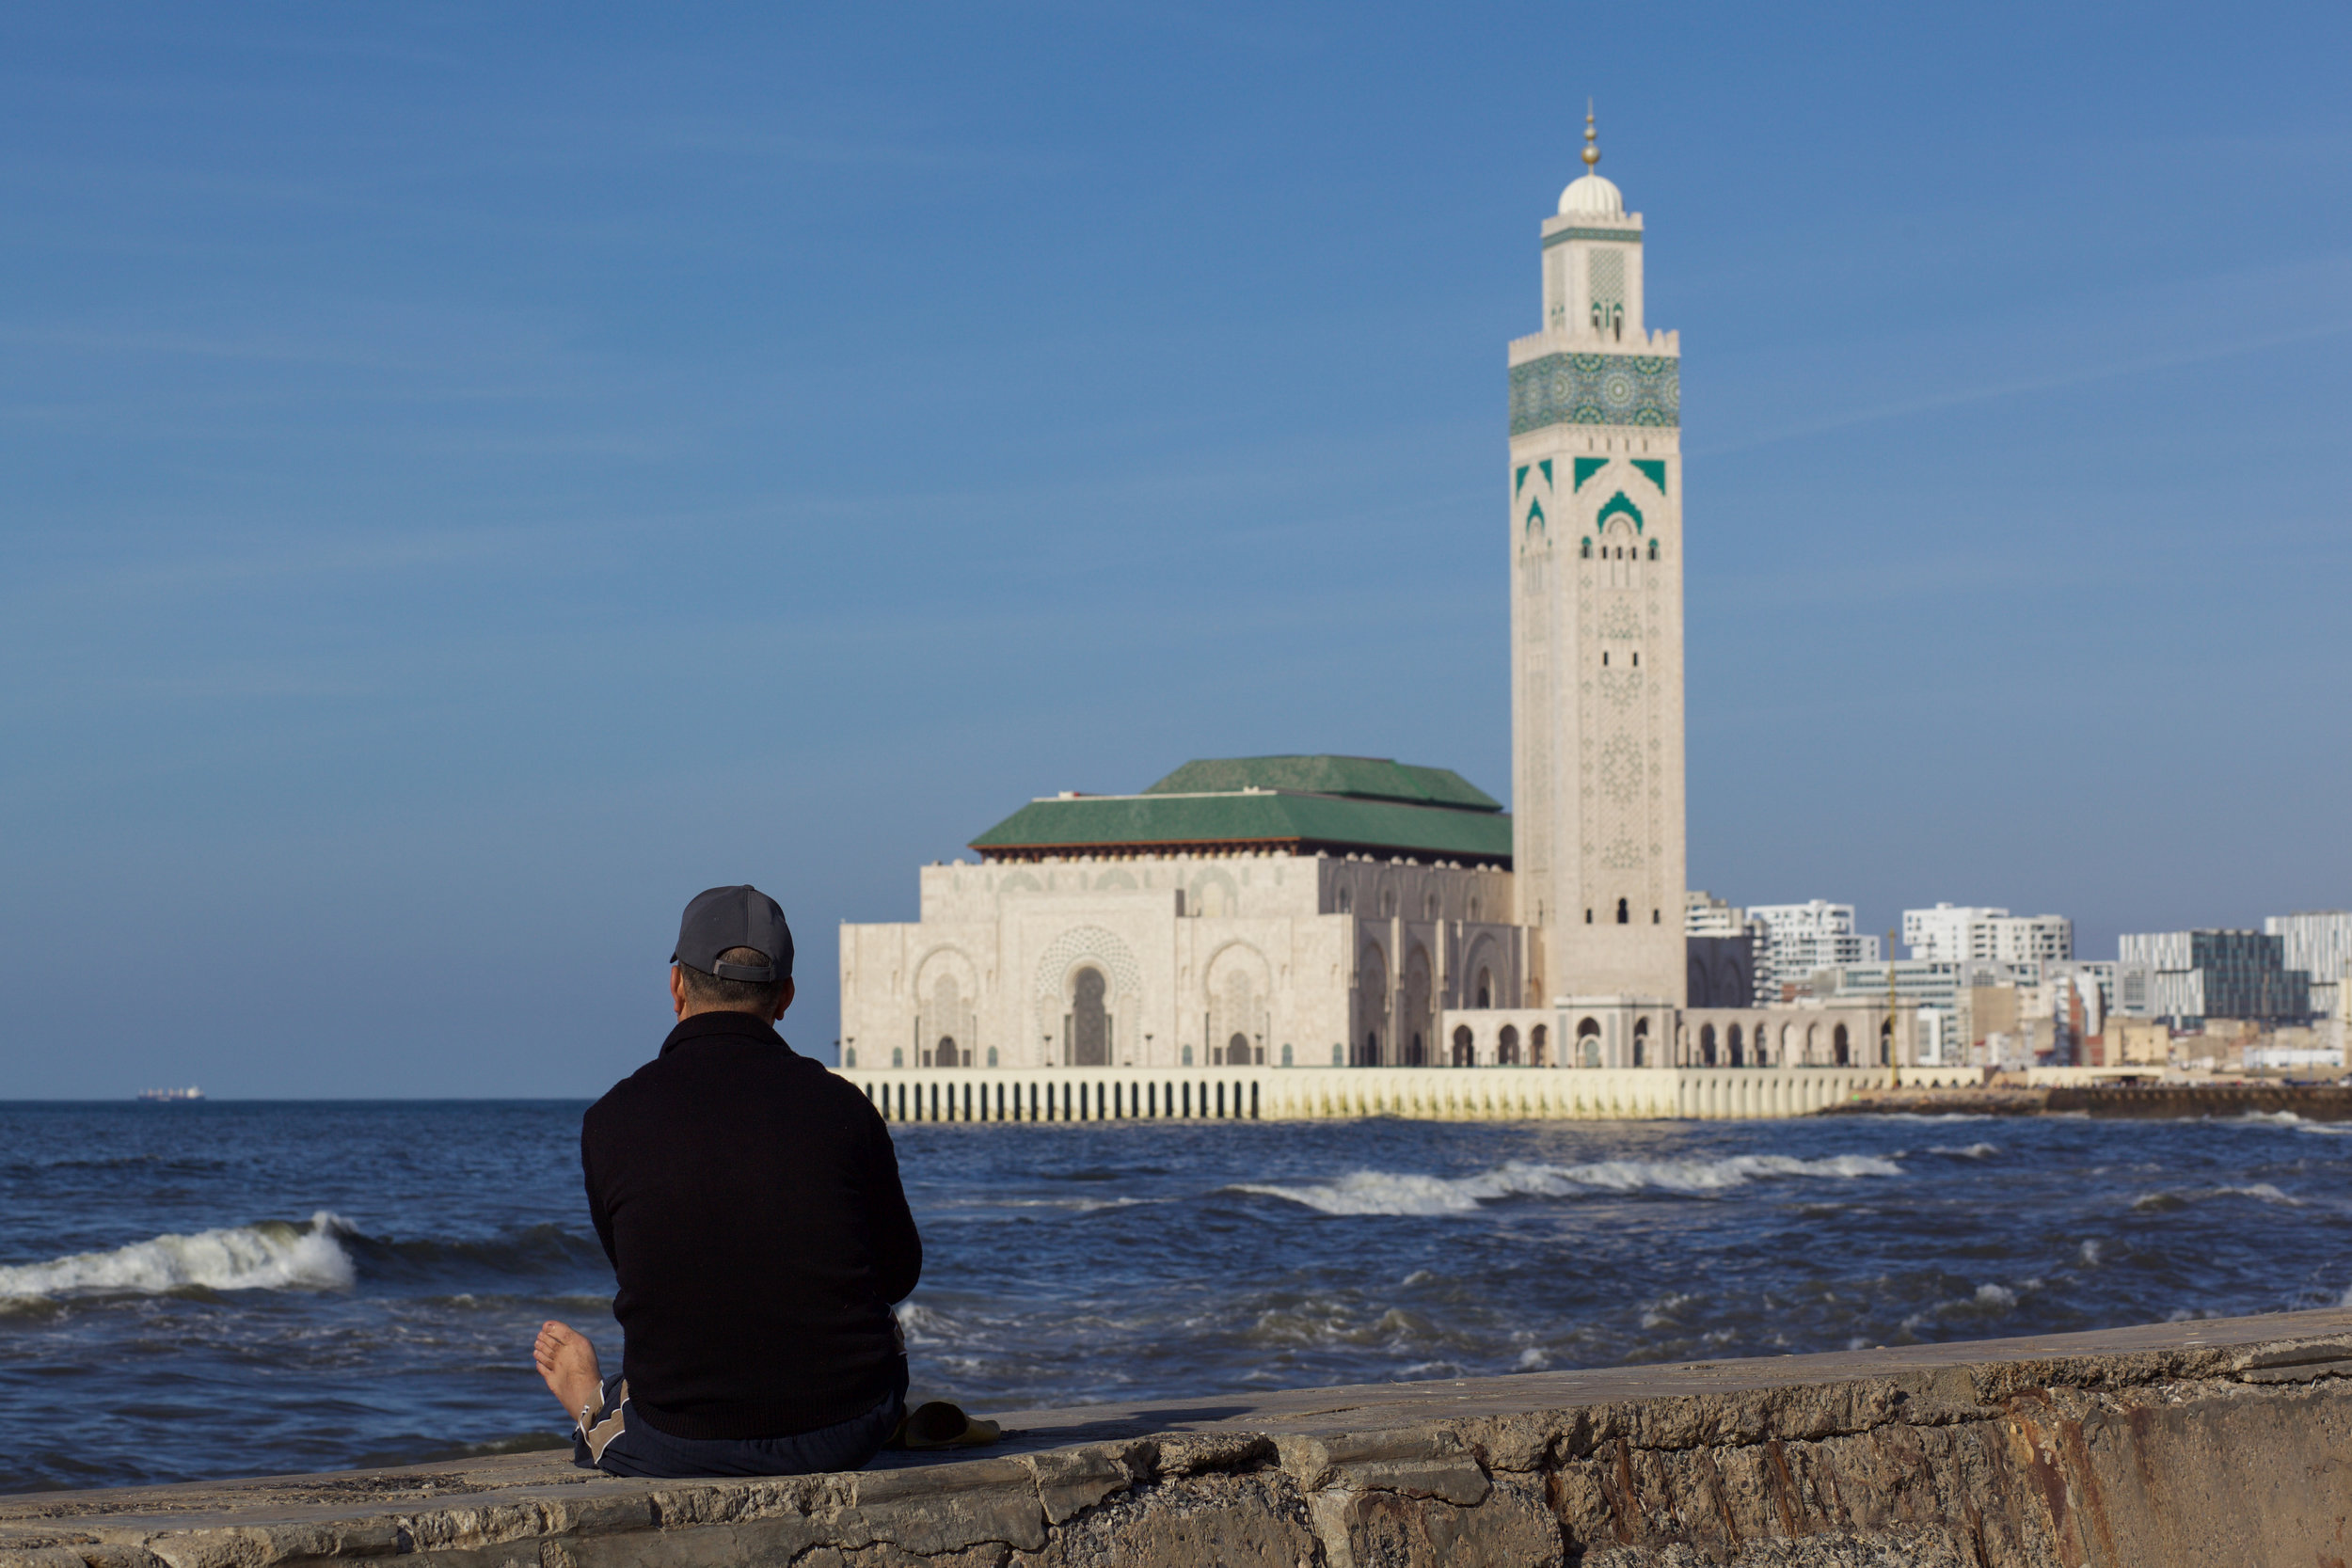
(167, 1096)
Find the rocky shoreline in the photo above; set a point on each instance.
(2119, 1102)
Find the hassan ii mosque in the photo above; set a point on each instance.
(1346, 911)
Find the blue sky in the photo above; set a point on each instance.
(471, 477)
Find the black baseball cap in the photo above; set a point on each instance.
(723, 917)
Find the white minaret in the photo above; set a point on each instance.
(1596, 484)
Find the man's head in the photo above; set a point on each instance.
(734, 955)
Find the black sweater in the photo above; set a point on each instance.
(749, 1202)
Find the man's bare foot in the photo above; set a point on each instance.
(568, 1362)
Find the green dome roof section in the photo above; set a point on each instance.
(1363, 778)
(1363, 805)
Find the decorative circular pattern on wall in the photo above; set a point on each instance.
(1065, 952)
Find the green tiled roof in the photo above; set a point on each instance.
(1379, 807)
(1370, 778)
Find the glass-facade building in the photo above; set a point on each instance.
(2186, 975)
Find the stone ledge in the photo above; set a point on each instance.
(2217, 1440)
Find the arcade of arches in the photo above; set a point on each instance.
(1661, 1037)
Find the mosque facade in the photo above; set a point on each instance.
(1349, 911)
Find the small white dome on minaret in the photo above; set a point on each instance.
(1589, 195)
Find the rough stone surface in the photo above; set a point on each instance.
(2227, 1441)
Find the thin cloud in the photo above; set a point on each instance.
(2026, 386)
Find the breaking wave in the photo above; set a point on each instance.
(2169, 1201)
(1376, 1192)
(2289, 1121)
(274, 1255)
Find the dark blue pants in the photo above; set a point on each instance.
(620, 1442)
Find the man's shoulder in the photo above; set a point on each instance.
(780, 1071)
(810, 1077)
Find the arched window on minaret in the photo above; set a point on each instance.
(1625, 916)
(1586, 549)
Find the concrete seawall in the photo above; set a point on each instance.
(1428, 1093)
(2226, 1441)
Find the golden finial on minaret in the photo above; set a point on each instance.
(1592, 137)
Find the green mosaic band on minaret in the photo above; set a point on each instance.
(1640, 390)
(1613, 236)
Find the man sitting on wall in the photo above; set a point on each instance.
(749, 1200)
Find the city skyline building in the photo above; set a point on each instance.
(1800, 940)
(2186, 977)
(2318, 943)
(1722, 944)
(1953, 934)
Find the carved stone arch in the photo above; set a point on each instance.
(1057, 976)
(1369, 1041)
(1117, 878)
(1232, 955)
(1483, 967)
(1237, 995)
(1415, 1031)
(946, 1003)
(1019, 881)
(1213, 891)
(1618, 506)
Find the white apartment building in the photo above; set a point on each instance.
(1799, 939)
(1950, 934)
(1705, 915)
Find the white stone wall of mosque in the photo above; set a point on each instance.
(1179, 961)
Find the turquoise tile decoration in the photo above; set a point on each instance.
(1546, 466)
(1587, 467)
(1639, 389)
(1620, 236)
(1615, 504)
(1520, 479)
(1655, 468)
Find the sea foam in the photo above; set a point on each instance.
(271, 1256)
(2181, 1198)
(1378, 1192)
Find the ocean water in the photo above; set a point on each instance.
(225, 1288)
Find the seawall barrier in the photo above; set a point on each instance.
(1430, 1094)
(2223, 1441)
